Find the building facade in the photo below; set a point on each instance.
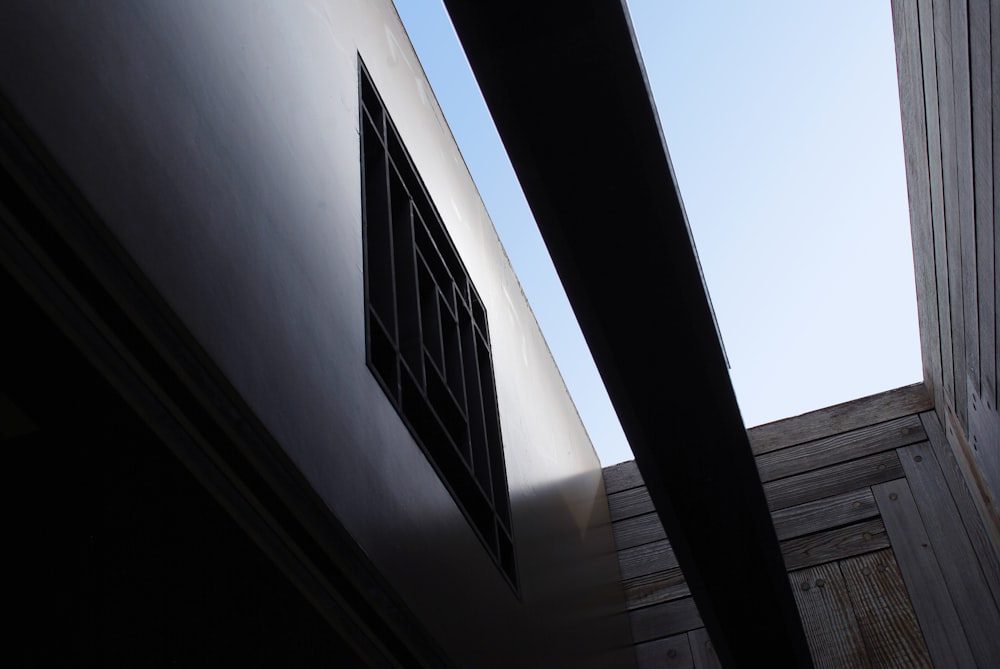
(195, 225)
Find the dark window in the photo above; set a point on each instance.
(428, 340)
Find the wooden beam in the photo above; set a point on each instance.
(915, 124)
(925, 583)
(840, 418)
(566, 87)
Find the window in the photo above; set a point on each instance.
(427, 337)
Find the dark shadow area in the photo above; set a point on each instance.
(116, 555)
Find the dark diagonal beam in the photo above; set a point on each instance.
(566, 87)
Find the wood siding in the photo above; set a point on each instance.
(945, 53)
(888, 560)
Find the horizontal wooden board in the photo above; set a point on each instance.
(628, 503)
(702, 651)
(670, 653)
(655, 588)
(831, 481)
(840, 418)
(883, 611)
(956, 557)
(835, 544)
(646, 559)
(638, 530)
(622, 476)
(925, 583)
(840, 448)
(828, 617)
(823, 514)
(664, 620)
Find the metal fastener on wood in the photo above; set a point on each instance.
(893, 496)
(805, 585)
(918, 458)
(820, 582)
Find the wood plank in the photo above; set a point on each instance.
(828, 617)
(655, 588)
(839, 418)
(955, 554)
(945, 393)
(638, 530)
(837, 544)
(980, 64)
(966, 194)
(831, 481)
(993, 397)
(629, 503)
(910, 75)
(951, 279)
(883, 611)
(922, 575)
(823, 514)
(670, 653)
(622, 476)
(702, 651)
(969, 511)
(984, 440)
(840, 448)
(646, 559)
(664, 620)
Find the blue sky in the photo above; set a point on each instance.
(782, 122)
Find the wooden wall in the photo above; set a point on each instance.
(945, 56)
(887, 558)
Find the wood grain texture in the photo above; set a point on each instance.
(967, 508)
(966, 219)
(621, 477)
(638, 530)
(663, 620)
(910, 75)
(831, 481)
(670, 653)
(883, 611)
(702, 651)
(836, 544)
(974, 479)
(980, 65)
(655, 588)
(955, 554)
(945, 391)
(951, 280)
(992, 392)
(629, 503)
(646, 559)
(840, 448)
(840, 418)
(984, 440)
(925, 583)
(823, 514)
(828, 617)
